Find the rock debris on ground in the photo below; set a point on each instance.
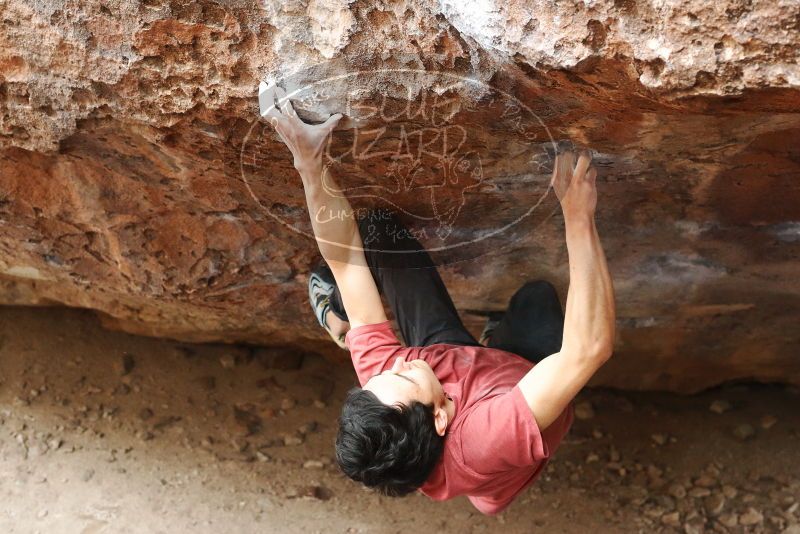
(193, 446)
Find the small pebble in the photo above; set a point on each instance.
(659, 439)
(768, 421)
(316, 492)
(677, 491)
(672, 519)
(744, 432)
(308, 428)
(699, 492)
(729, 491)
(714, 504)
(705, 481)
(228, 361)
(729, 520)
(720, 406)
(584, 410)
(694, 526)
(751, 517)
(291, 441)
(654, 472)
(126, 364)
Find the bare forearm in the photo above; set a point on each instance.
(332, 216)
(589, 317)
(590, 311)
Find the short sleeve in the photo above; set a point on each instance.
(371, 347)
(501, 433)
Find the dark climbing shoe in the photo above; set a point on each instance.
(491, 323)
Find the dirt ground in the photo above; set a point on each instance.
(104, 432)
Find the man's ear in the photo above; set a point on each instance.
(440, 420)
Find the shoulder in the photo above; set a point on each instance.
(500, 433)
(372, 348)
(371, 335)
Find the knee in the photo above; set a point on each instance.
(538, 290)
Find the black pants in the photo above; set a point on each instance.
(532, 326)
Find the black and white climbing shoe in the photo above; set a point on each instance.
(491, 323)
(321, 286)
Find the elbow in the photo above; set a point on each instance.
(591, 354)
(600, 350)
(603, 353)
(604, 343)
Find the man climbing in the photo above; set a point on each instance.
(445, 414)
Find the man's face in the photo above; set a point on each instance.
(406, 382)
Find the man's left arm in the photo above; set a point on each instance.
(338, 237)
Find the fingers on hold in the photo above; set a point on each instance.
(555, 170)
(280, 134)
(266, 100)
(584, 160)
(569, 156)
(285, 103)
(591, 175)
(332, 121)
(566, 163)
(280, 127)
(280, 92)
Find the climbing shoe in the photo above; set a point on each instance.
(321, 286)
(491, 323)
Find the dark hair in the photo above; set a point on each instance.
(390, 448)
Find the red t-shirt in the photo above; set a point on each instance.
(493, 448)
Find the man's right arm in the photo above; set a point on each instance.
(589, 317)
(335, 230)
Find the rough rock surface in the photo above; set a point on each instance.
(135, 180)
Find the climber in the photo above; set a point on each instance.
(445, 414)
